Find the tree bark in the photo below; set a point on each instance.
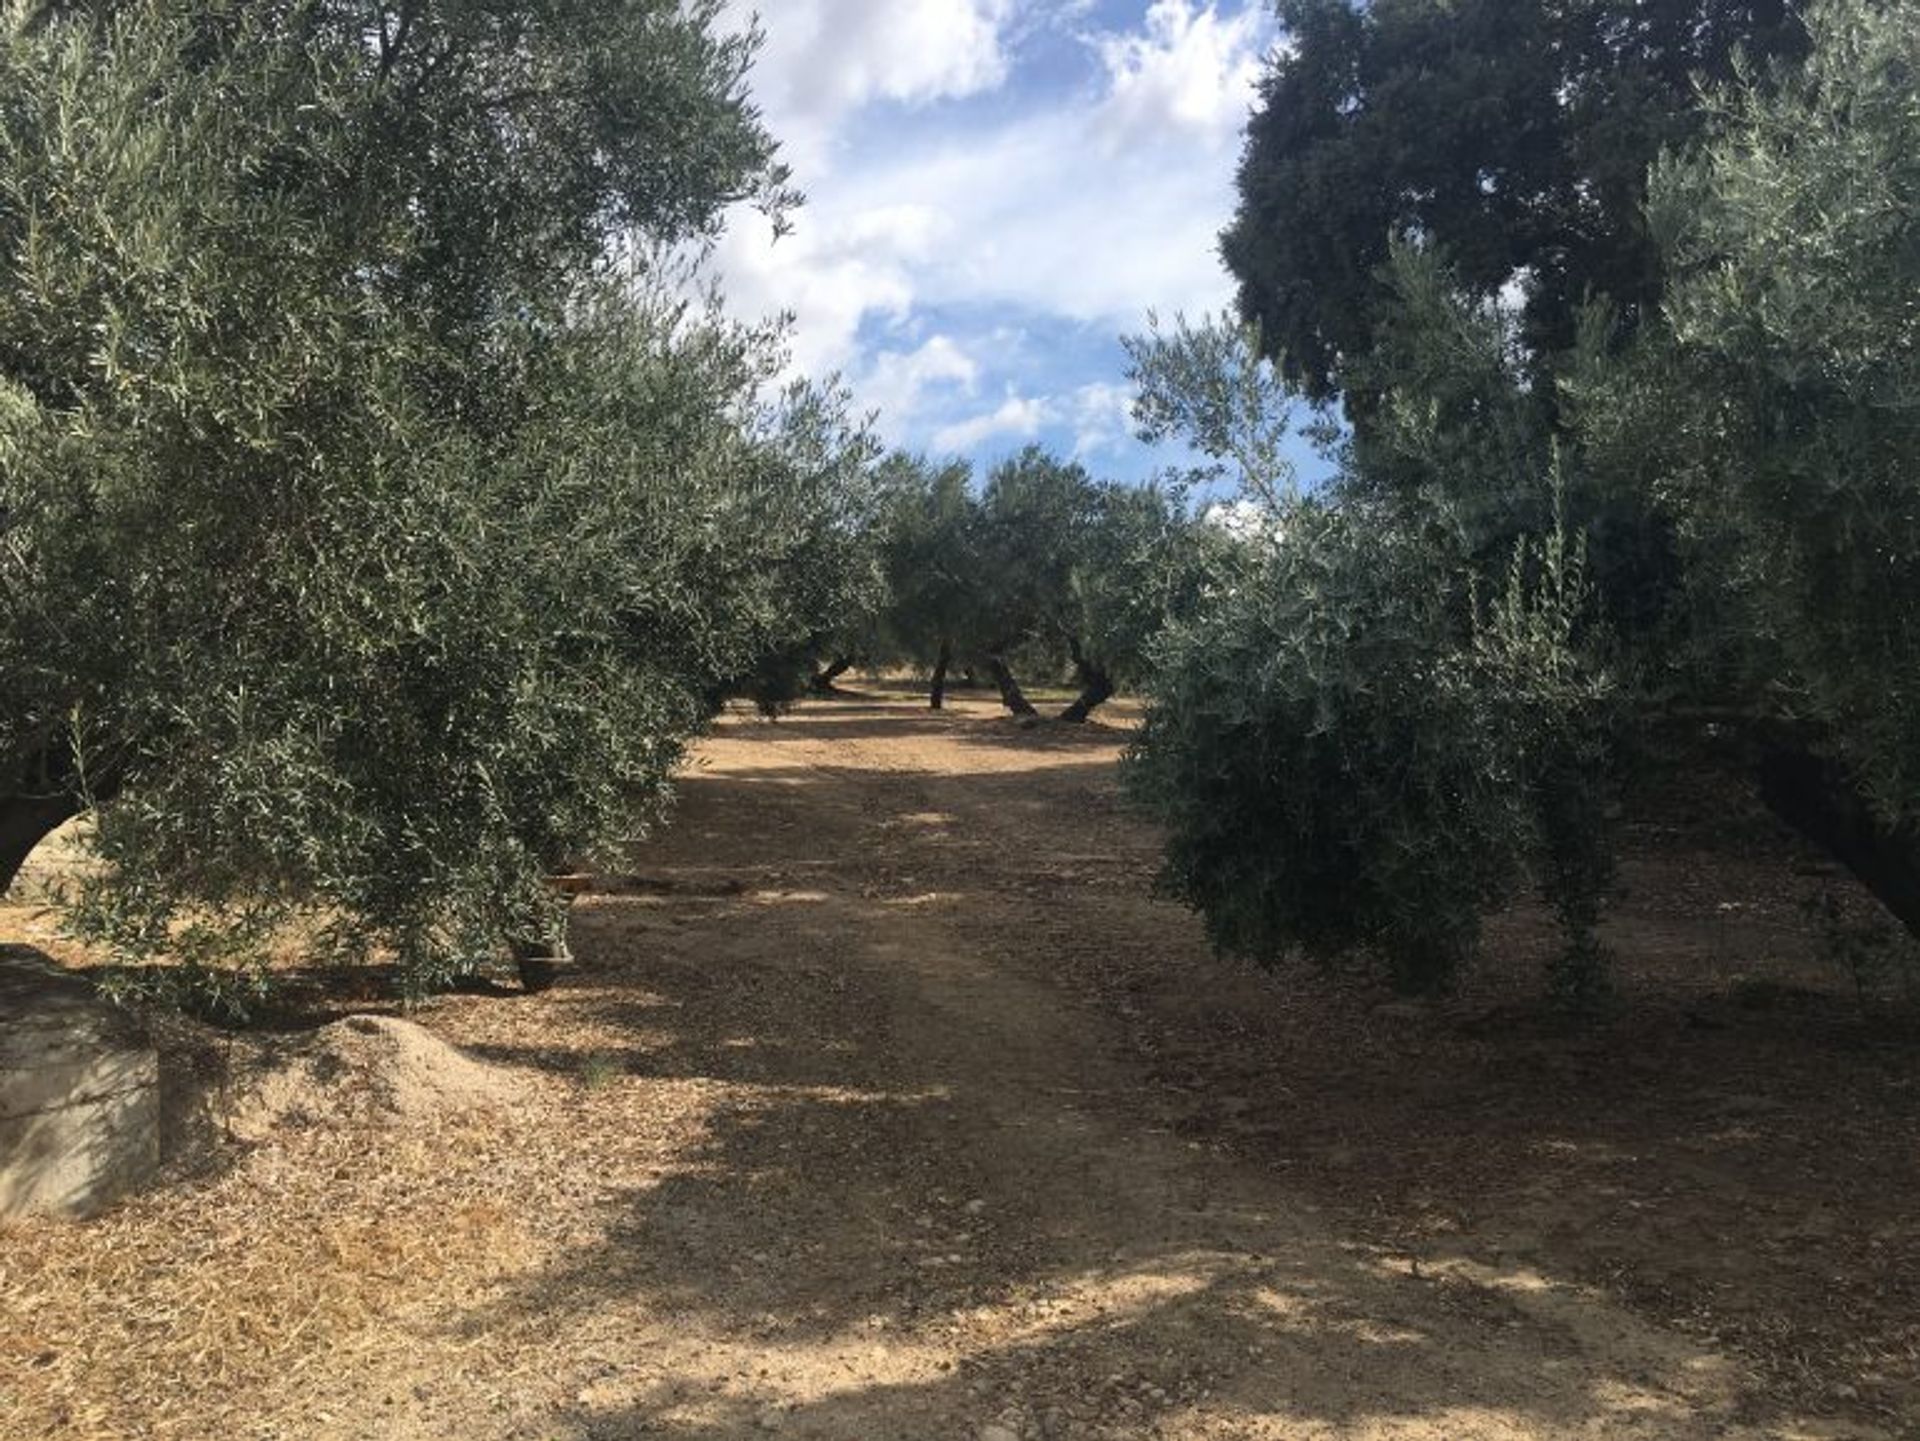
(1816, 798)
(25, 821)
(43, 789)
(937, 692)
(822, 682)
(1096, 687)
(1011, 696)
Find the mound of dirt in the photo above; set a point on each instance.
(369, 1068)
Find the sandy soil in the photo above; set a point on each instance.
(886, 1102)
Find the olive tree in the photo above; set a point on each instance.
(1076, 575)
(1358, 736)
(927, 518)
(1684, 533)
(374, 526)
(1141, 563)
(1035, 514)
(1349, 752)
(1771, 423)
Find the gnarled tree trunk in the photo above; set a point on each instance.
(1815, 796)
(1011, 696)
(937, 692)
(1096, 687)
(822, 681)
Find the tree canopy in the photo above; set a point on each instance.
(374, 525)
(1671, 526)
(1044, 570)
(1513, 135)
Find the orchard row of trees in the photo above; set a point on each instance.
(1620, 300)
(1039, 571)
(379, 520)
(378, 517)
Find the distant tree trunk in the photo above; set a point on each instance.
(1096, 687)
(25, 821)
(1816, 798)
(937, 693)
(1011, 696)
(822, 682)
(47, 784)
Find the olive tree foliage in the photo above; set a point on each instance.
(1143, 563)
(1206, 383)
(1350, 752)
(1035, 515)
(926, 517)
(374, 526)
(1044, 571)
(1798, 314)
(1772, 424)
(1361, 738)
(1514, 135)
(1421, 688)
(803, 544)
(1076, 575)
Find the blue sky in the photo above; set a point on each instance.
(997, 190)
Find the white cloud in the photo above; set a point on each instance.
(1101, 413)
(1190, 71)
(1018, 417)
(1099, 208)
(1091, 205)
(825, 58)
(1042, 214)
(830, 273)
(1246, 520)
(909, 231)
(897, 383)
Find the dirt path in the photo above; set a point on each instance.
(846, 1129)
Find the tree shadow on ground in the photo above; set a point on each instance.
(972, 718)
(841, 1234)
(911, 1007)
(880, 1193)
(809, 725)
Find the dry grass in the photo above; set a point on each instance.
(231, 1288)
(893, 995)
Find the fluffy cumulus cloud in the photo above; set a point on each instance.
(1102, 417)
(995, 193)
(1188, 71)
(828, 276)
(824, 59)
(1018, 418)
(899, 384)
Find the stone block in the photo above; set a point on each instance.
(79, 1093)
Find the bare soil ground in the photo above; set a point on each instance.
(887, 1102)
